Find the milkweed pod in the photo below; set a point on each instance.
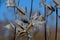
(21, 34)
(57, 2)
(49, 9)
(41, 18)
(21, 26)
(35, 16)
(10, 3)
(29, 28)
(22, 11)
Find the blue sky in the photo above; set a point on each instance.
(27, 3)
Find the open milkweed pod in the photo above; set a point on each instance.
(29, 28)
(57, 2)
(10, 3)
(21, 10)
(49, 9)
(41, 20)
(21, 26)
(21, 34)
(18, 23)
(35, 16)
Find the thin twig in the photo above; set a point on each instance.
(56, 23)
(45, 20)
(31, 7)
